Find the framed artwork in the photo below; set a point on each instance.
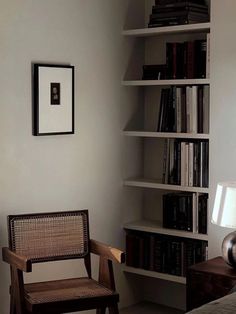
(53, 107)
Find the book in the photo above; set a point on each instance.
(189, 18)
(174, 2)
(208, 56)
(206, 108)
(200, 60)
(178, 14)
(200, 110)
(202, 213)
(178, 110)
(181, 6)
(154, 72)
(190, 59)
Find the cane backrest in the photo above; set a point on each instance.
(49, 237)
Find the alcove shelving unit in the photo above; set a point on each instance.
(152, 141)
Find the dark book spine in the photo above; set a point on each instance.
(174, 2)
(169, 60)
(183, 111)
(130, 250)
(158, 255)
(152, 252)
(180, 61)
(200, 58)
(190, 60)
(174, 73)
(202, 213)
(161, 111)
(146, 256)
(200, 110)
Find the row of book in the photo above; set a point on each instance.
(184, 110)
(186, 163)
(184, 60)
(185, 211)
(164, 254)
(188, 60)
(177, 13)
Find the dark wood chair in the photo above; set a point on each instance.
(37, 238)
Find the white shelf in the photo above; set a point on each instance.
(166, 82)
(155, 227)
(152, 184)
(178, 29)
(166, 135)
(154, 274)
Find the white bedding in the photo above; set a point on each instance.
(225, 305)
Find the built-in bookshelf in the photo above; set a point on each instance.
(175, 152)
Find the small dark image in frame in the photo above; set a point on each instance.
(55, 93)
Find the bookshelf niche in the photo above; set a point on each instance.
(172, 125)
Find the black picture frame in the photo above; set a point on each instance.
(53, 99)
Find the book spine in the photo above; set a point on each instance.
(195, 212)
(206, 108)
(190, 163)
(183, 162)
(194, 109)
(190, 60)
(208, 57)
(186, 170)
(200, 110)
(178, 110)
(188, 108)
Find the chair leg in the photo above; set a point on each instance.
(12, 305)
(114, 309)
(101, 311)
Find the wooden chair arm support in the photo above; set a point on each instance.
(107, 252)
(16, 260)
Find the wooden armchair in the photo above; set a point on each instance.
(46, 237)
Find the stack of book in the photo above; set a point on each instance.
(185, 211)
(185, 162)
(174, 12)
(184, 110)
(164, 254)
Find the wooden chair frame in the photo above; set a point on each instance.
(20, 264)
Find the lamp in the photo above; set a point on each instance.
(224, 215)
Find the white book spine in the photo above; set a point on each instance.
(208, 57)
(190, 164)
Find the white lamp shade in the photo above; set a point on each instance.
(224, 211)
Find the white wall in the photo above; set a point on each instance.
(223, 106)
(78, 171)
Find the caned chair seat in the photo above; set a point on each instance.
(59, 294)
(43, 237)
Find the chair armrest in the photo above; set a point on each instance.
(16, 260)
(107, 252)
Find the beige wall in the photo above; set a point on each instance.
(223, 106)
(78, 171)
